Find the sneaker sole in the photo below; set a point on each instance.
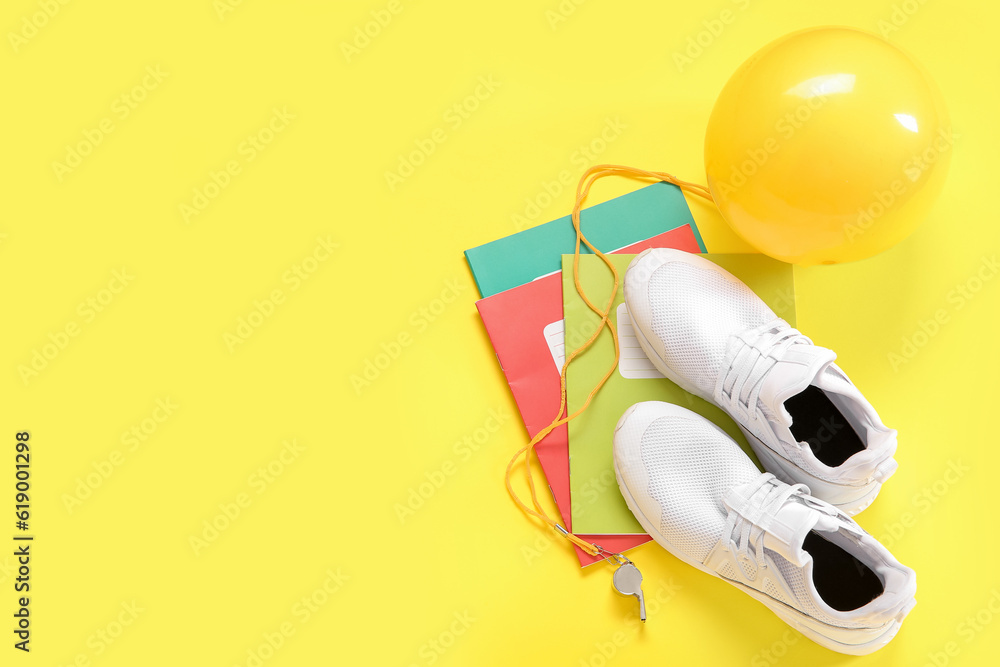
(876, 637)
(848, 499)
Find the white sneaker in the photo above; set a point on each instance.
(710, 334)
(702, 499)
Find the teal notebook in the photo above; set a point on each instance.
(520, 258)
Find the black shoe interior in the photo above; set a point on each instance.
(843, 581)
(817, 421)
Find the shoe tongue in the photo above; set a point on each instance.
(789, 527)
(796, 370)
(785, 530)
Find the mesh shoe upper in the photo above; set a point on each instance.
(694, 311)
(700, 497)
(709, 333)
(686, 479)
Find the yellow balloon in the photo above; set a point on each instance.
(828, 145)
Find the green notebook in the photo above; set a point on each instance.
(597, 504)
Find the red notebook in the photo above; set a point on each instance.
(525, 326)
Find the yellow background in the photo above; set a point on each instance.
(465, 579)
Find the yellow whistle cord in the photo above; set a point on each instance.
(582, 190)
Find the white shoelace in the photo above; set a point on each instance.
(747, 525)
(747, 361)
